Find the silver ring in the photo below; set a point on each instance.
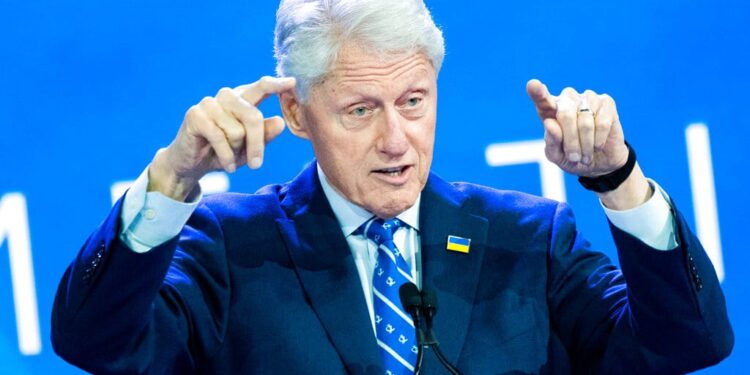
(584, 110)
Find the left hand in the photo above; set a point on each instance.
(582, 131)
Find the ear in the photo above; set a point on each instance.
(293, 114)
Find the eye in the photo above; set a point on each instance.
(359, 111)
(413, 102)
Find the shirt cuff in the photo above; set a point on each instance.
(652, 222)
(150, 219)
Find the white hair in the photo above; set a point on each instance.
(310, 33)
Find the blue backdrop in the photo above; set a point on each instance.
(89, 91)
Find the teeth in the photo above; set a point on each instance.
(393, 172)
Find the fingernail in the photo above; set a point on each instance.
(586, 160)
(574, 157)
(255, 163)
(231, 167)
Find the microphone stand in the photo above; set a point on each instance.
(429, 307)
(411, 300)
(420, 351)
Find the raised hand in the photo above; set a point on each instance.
(583, 136)
(225, 131)
(582, 131)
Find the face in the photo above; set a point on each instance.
(372, 126)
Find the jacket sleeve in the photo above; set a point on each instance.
(118, 311)
(663, 313)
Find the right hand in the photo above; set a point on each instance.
(222, 132)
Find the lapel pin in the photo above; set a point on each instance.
(459, 244)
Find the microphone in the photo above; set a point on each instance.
(411, 300)
(429, 309)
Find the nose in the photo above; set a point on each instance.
(393, 140)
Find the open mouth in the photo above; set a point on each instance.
(393, 171)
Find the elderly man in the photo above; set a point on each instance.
(299, 278)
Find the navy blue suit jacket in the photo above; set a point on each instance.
(265, 283)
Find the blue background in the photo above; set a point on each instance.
(90, 90)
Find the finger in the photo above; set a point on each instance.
(553, 130)
(271, 129)
(252, 122)
(273, 126)
(553, 150)
(215, 137)
(553, 140)
(567, 117)
(543, 101)
(233, 130)
(605, 118)
(254, 136)
(257, 91)
(586, 126)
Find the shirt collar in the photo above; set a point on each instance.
(351, 216)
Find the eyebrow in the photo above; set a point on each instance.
(353, 98)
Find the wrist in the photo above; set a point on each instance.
(610, 181)
(633, 192)
(164, 179)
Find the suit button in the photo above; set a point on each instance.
(697, 281)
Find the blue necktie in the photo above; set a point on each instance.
(394, 327)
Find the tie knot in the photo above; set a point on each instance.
(381, 231)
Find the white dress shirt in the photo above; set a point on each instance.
(365, 250)
(150, 218)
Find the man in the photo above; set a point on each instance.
(298, 278)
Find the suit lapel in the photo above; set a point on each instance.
(453, 275)
(326, 269)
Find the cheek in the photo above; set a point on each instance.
(424, 140)
(425, 147)
(345, 157)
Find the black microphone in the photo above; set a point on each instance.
(411, 300)
(429, 309)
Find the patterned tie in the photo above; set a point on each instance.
(394, 327)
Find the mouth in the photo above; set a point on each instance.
(397, 175)
(393, 171)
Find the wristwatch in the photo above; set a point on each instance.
(612, 180)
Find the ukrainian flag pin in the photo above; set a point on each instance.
(459, 244)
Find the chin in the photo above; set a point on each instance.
(394, 206)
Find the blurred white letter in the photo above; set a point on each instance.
(704, 193)
(524, 152)
(14, 225)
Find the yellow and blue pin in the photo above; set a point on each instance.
(458, 244)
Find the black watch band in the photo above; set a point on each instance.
(612, 180)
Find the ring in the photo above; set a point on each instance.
(583, 106)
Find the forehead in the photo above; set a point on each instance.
(356, 69)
